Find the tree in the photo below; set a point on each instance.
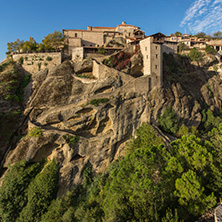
(210, 50)
(182, 46)
(14, 47)
(29, 46)
(168, 121)
(195, 55)
(191, 194)
(13, 192)
(201, 35)
(177, 34)
(54, 41)
(41, 191)
(218, 34)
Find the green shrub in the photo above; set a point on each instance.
(23, 84)
(168, 121)
(215, 67)
(48, 58)
(71, 140)
(12, 97)
(210, 50)
(26, 58)
(195, 55)
(39, 65)
(5, 65)
(101, 50)
(96, 102)
(45, 63)
(21, 60)
(35, 132)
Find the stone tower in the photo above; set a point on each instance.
(152, 51)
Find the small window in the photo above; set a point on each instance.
(156, 47)
(156, 56)
(147, 56)
(75, 34)
(156, 66)
(145, 48)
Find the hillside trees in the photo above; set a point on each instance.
(218, 34)
(13, 192)
(195, 55)
(52, 42)
(26, 192)
(210, 50)
(152, 182)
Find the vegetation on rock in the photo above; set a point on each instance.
(96, 102)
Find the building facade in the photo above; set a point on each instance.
(152, 51)
(98, 36)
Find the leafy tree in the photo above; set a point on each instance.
(41, 191)
(145, 137)
(201, 35)
(191, 194)
(133, 191)
(177, 34)
(210, 50)
(15, 46)
(13, 192)
(182, 46)
(54, 41)
(218, 34)
(168, 121)
(195, 55)
(29, 46)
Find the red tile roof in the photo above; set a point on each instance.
(100, 27)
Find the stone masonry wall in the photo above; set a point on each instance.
(34, 62)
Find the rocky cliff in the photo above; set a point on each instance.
(81, 121)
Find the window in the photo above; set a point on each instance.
(145, 48)
(147, 56)
(156, 47)
(156, 66)
(156, 56)
(75, 34)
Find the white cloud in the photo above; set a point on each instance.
(203, 16)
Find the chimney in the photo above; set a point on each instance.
(89, 28)
(123, 23)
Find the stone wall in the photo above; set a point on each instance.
(78, 53)
(34, 62)
(170, 47)
(101, 71)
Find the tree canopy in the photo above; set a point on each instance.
(52, 42)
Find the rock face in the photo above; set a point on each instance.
(83, 66)
(116, 42)
(61, 104)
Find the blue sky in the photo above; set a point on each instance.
(25, 18)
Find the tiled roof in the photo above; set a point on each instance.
(99, 27)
